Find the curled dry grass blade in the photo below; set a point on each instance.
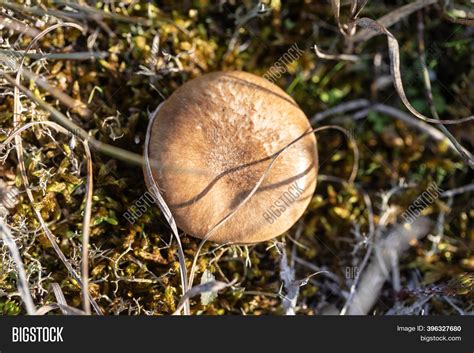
(211, 286)
(22, 281)
(273, 159)
(109, 150)
(67, 310)
(58, 293)
(60, 304)
(394, 53)
(87, 212)
(371, 28)
(408, 119)
(346, 57)
(66, 56)
(340, 109)
(21, 164)
(167, 213)
(18, 26)
(86, 225)
(468, 158)
(393, 17)
(74, 104)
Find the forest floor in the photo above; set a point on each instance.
(116, 61)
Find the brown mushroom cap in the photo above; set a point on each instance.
(213, 138)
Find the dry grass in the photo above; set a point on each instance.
(67, 221)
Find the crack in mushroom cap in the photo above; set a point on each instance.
(214, 138)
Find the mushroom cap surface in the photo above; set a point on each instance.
(214, 138)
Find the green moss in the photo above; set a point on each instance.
(130, 82)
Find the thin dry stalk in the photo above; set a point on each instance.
(458, 191)
(408, 119)
(167, 213)
(60, 95)
(21, 163)
(273, 159)
(211, 286)
(346, 57)
(86, 231)
(60, 303)
(87, 210)
(22, 281)
(18, 26)
(394, 52)
(112, 151)
(372, 279)
(393, 17)
(465, 155)
(67, 310)
(59, 56)
(340, 109)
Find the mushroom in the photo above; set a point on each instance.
(214, 138)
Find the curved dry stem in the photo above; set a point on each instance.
(340, 109)
(394, 17)
(419, 124)
(460, 149)
(167, 213)
(355, 149)
(327, 56)
(22, 281)
(58, 293)
(64, 308)
(87, 211)
(61, 303)
(71, 103)
(212, 286)
(458, 191)
(394, 53)
(112, 151)
(86, 230)
(21, 164)
(273, 159)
